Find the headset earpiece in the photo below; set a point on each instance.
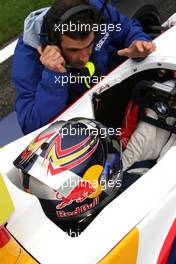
(45, 36)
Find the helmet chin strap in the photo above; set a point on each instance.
(26, 180)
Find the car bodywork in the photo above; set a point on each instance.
(137, 227)
(10, 250)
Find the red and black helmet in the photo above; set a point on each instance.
(73, 167)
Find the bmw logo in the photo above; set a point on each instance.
(161, 108)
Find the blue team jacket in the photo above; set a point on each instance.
(39, 97)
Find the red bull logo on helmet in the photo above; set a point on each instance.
(79, 210)
(78, 194)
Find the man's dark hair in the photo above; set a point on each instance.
(59, 7)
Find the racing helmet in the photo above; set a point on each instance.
(74, 168)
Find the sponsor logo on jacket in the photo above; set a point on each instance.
(101, 42)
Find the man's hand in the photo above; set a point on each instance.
(138, 49)
(52, 59)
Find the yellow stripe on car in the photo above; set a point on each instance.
(25, 258)
(12, 253)
(125, 252)
(6, 204)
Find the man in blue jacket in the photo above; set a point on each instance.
(48, 51)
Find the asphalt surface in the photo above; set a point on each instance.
(7, 91)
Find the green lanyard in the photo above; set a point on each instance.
(91, 69)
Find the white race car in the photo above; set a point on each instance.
(139, 225)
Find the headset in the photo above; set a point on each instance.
(47, 37)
